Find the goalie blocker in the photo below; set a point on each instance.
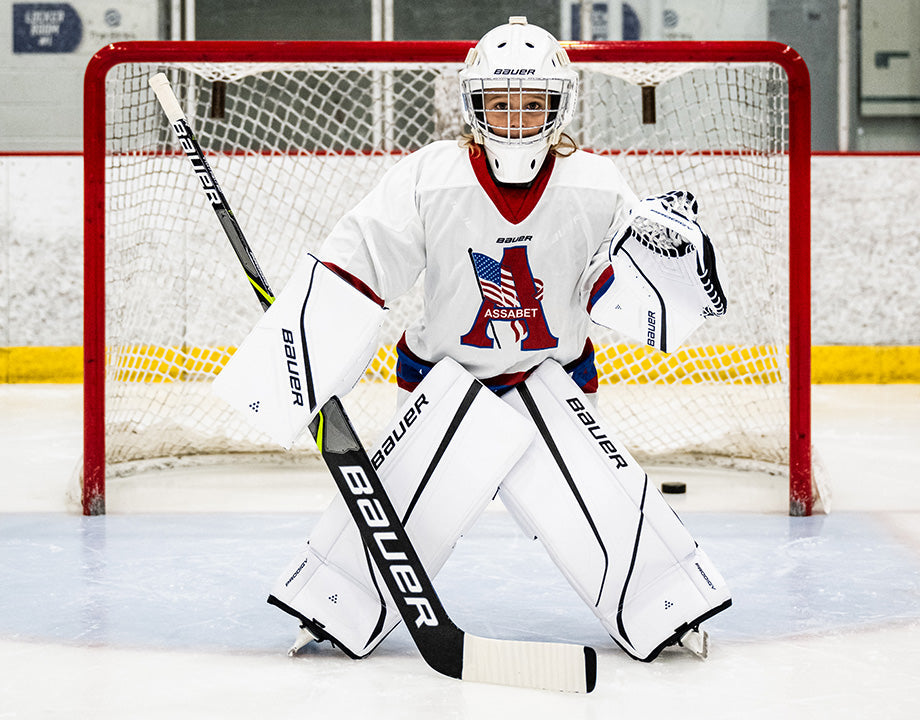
(292, 360)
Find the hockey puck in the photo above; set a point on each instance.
(673, 488)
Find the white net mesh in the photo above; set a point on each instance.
(295, 146)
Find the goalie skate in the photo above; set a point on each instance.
(696, 642)
(304, 638)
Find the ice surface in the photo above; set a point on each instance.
(158, 609)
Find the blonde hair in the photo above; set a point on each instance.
(565, 147)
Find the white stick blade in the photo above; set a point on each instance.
(544, 666)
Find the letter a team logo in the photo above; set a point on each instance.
(510, 294)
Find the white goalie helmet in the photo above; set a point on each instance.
(518, 92)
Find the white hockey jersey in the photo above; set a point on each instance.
(509, 273)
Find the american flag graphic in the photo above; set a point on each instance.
(497, 285)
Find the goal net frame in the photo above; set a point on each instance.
(797, 148)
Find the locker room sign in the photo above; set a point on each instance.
(46, 28)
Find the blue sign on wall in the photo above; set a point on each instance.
(45, 28)
(631, 29)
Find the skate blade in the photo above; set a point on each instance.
(696, 642)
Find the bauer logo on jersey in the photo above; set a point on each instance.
(510, 294)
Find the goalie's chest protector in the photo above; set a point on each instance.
(508, 273)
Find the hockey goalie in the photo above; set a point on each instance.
(523, 241)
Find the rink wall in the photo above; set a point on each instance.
(865, 262)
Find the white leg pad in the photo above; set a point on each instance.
(441, 464)
(607, 528)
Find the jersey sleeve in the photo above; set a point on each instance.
(598, 275)
(381, 240)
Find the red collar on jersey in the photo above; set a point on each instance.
(514, 203)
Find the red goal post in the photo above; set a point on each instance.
(729, 121)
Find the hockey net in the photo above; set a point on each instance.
(298, 134)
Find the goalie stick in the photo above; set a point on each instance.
(445, 647)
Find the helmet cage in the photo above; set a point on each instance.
(521, 125)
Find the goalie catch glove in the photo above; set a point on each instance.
(665, 277)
